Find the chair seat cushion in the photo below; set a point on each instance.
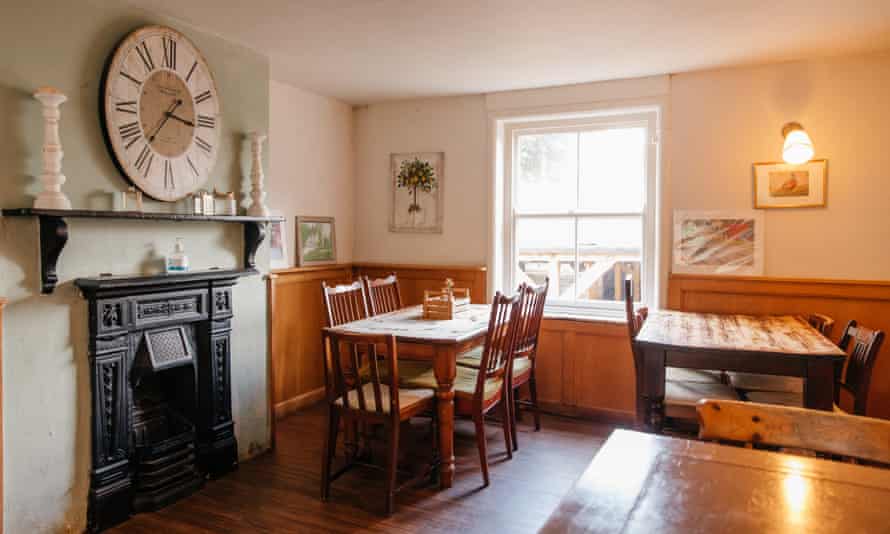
(407, 398)
(783, 398)
(464, 381)
(678, 374)
(756, 382)
(521, 366)
(680, 398)
(471, 358)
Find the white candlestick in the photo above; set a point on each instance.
(51, 197)
(258, 206)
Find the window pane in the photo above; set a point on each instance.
(546, 247)
(548, 172)
(609, 249)
(613, 169)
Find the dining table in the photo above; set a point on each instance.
(438, 342)
(642, 483)
(783, 345)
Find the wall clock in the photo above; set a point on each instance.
(160, 110)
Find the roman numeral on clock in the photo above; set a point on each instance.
(126, 106)
(145, 55)
(130, 132)
(168, 175)
(204, 145)
(191, 71)
(192, 165)
(203, 96)
(143, 162)
(205, 121)
(132, 79)
(169, 52)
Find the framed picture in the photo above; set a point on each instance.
(316, 241)
(783, 185)
(718, 242)
(278, 245)
(417, 179)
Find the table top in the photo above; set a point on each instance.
(408, 325)
(782, 334)
(647, 483)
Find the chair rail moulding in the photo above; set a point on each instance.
(54, 233)
(842, 300)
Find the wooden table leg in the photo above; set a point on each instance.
(653, 390)
(818, 388)
(445, 365)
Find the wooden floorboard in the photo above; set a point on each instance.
(278, 492)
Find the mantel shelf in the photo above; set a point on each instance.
(139, 215)
(54, 232)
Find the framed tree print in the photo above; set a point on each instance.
(417, 180)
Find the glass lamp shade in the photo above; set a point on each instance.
(797, 148)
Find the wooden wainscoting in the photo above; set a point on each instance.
(843, 300)
(585, 369)
(414, 279)
(297, 317)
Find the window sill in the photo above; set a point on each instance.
(586, 318)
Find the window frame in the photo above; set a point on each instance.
(649, 118)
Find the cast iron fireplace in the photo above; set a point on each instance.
(159, 354)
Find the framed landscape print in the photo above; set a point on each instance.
(316, 241)
(783, 185)
(417, 179)
(278, 245)
(718, 242)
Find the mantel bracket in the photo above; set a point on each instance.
(53, 237)
(254, 234)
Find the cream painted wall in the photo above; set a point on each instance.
(724, 120)
(46, 383)
(717, 123)
(311, 165)
(456, 126)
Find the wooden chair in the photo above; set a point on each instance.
(823, 323)
(856, 382)
(680, 395)
(525, 356)
(373, 400)
(478, 391)
(344, 303)
(748, 382)
(383, 294)
(850, 436)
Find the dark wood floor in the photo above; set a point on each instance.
(278, 492)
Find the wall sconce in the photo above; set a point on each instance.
(798, 147)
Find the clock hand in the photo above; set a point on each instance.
(180, 119)
(164, 120)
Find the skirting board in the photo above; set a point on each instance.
(600, 415)
(291, 406)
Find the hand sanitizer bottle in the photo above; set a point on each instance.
(178, 262)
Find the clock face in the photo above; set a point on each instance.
(161, 113)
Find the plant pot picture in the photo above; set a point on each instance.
(417, 179)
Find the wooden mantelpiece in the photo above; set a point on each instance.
(54, 232)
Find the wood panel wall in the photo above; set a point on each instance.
(297, 317)
(867, 302)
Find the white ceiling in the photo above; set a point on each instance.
(364, 51)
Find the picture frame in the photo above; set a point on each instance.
(427, 213)
(718, 242)
(278, 258)
(783, 185)
(316, 241)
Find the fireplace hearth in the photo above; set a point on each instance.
(159, 352)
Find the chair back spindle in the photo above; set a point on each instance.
(383, 294)
(531, 316)
(860, 361)
(344, 303)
